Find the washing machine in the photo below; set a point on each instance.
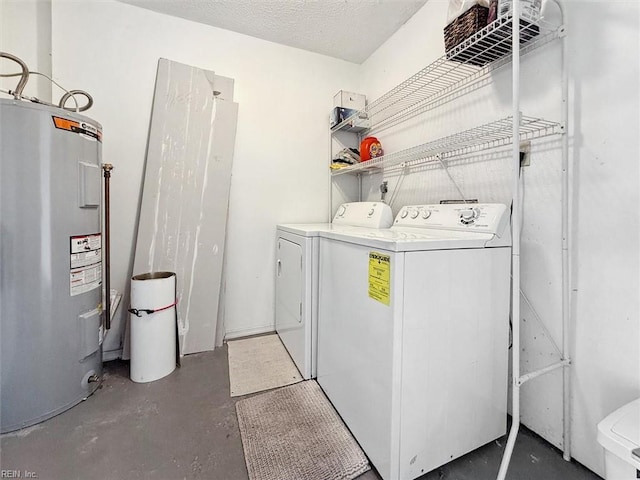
(296, 285)
(413, 329)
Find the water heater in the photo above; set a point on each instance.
(50, 261)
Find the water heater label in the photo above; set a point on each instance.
(84, 129)
(380, 277)
(85, 263)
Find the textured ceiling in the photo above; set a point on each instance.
(347, 29)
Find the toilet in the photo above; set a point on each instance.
(619, 435)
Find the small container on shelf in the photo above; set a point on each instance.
(529, 9)
(370, 147)
(344, 99)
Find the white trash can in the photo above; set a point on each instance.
(619, 434)
(153, 326)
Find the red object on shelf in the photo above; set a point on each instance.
(370, 147)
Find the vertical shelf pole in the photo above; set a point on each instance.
(330, 179)
(515, 238)
(567, 181)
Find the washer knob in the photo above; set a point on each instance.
(341, 210)
(404, 213)
(426, 214)
(468, 216)
(372, 211)
(414, 214)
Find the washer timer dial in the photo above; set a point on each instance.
(469, 216)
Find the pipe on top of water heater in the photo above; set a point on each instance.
(24, 77)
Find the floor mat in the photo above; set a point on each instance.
(294, 433)
(259, 363)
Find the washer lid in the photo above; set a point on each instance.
(304, 229)
(408, 240)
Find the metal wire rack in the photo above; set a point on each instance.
(491, 135)
(451, 75)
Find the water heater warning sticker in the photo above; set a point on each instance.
(82, 128)
(85, 263)
(380, 277)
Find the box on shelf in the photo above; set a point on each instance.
(344, 99)
(529, 9)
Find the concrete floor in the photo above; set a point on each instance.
(184, 427)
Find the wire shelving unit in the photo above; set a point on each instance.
(489, 136)
(453, 75)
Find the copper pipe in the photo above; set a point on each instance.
(107, 167)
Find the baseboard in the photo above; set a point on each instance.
(246, 332)
(111, 355)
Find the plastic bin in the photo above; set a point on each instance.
(153, 326)
(619, 434)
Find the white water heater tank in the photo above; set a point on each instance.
(50, 261)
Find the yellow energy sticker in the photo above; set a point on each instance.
(380, 277)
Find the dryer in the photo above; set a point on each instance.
(413, 329)
(296, 284)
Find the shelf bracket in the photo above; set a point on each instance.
(562, 31)
(529, 376)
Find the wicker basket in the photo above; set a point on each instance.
(483, 52)
(465, 25)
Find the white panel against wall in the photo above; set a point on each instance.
(185, 198)
(604, 124)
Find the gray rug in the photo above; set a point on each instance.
(259, 363)
(294, 433)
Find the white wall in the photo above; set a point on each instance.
(604, 60)
(25, 31)
(280, 169)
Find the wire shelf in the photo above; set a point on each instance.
(491, 135)
(450, 76)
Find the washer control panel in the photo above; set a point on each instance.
(364, 214)
(477, 217)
